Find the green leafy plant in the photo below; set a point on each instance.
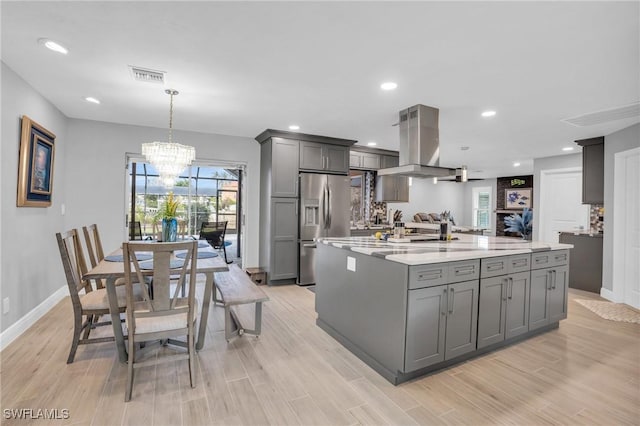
(169, 207)
(522, 224)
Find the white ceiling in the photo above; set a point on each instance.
(243, 67)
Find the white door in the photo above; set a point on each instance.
(626, 243)
(561, 207)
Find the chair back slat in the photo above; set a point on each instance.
(73, 263)
(163, 301)
(94, 248)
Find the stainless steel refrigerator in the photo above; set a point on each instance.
(324, 212)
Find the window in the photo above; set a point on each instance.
(482, 207)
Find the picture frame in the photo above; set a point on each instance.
(35, 167)
(517, 198)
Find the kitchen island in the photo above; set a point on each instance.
(410, 308)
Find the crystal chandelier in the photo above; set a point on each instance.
(169, 158)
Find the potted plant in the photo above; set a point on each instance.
(169, 221)
(522, 224)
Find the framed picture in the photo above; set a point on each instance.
(35, 170)
(517, 198)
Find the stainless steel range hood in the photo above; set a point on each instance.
(419, 145)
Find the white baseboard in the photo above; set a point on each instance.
(608, 294)
(23, 324)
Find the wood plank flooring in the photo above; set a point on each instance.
(586, 372)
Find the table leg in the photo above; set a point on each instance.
(204, 317)
(115, 319)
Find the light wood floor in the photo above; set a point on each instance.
(586, 372)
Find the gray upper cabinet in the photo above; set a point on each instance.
(387, 161)
(284, 168)
(324, 157)
(392, 189)
(592, 170)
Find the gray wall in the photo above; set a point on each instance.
(427, 197)
(622, 140)
(31, 270)
(549, 163)
(89, 179)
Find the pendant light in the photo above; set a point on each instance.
(169, 158)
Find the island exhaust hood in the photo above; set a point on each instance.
(419, 145)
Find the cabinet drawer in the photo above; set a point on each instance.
(428, 275)
(542, 260)
(494, 266)
(464, 271)
(519, 263)
(560, 257)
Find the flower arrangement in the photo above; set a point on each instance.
(522, 224)
(170, 207)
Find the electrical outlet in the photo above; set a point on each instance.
(5, 305)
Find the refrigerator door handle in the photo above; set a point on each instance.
(328, 206)
(324, 207)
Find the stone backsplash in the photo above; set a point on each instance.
(596, 217)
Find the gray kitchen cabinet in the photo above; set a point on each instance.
(392, 189)
(324, 157)
(441, 323)
(592, 170)
(548, 296)
(364, 160)
(387, 161)
(284, 167)
(503, 310)
(284, 241)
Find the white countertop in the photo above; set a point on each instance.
(421, 253)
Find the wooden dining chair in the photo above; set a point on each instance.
(88, 303)
(214, 233)
(166, 315)
(94, 248)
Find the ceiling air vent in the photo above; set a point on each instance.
(604, 116)
(144, 74)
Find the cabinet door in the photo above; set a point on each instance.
(538, 305)
(370, 161)
(558, 294)
(387, 161)
(337, 158)
(284, 243)
(355, 160)
(426, 319)
(492, 310)
(462, 319)
(517, 313)
(284, 168)
(311, 156)
(593, 174)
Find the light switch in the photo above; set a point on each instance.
(351, 263)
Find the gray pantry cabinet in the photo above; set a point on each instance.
(281, 154)
(504, 298)
(549, 288)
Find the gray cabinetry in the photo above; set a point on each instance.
(387, 161)
(284, 168)
(441, 323)
(324, 157)
(548, 296)
(504, 308)
(592, 170)
(364, 160)
(284, 241)
(392, 189)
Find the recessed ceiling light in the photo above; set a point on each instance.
(92, 100)
(488, 114)
(389, 85)
(372, 143)
(294, 127)
(567, 148)
(516, 164)
(52, 45)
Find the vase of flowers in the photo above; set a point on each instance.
(169, 221)
(522, 224)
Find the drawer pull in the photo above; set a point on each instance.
(495, 266)
(430, 276)
(517, 263)
(542, 259)
(469, 270)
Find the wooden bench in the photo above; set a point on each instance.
(236, 288)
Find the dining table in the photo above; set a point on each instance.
(111, 270)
